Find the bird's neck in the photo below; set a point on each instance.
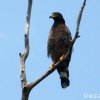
(58, 21)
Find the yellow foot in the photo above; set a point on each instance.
(61, 58)
(52, 66)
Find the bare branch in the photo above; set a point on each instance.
(24, 55)
(77, 31)
(79, 20)
(51, 69)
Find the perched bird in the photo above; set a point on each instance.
(59, 40)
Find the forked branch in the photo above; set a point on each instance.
(24, 55)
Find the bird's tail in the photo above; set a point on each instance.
(64, 76)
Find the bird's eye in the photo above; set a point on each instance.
(56, 14)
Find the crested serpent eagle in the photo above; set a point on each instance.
(59, 40)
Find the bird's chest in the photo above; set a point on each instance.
(58, 37)
(59, 43)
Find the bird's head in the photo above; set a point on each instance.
(56, 16)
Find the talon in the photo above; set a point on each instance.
(61, 58)
(70, 40)
(52, 66)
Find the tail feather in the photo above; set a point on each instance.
(65, 82)
(64, 74)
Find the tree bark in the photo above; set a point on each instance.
(24, 55)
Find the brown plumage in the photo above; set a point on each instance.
(58, 44)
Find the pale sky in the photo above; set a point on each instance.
(85, 63)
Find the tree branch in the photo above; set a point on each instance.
(77, 30)
(26, 88)
(24, 55)
(51, 69)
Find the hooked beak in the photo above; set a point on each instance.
(52, 16)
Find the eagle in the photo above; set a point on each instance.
(59, 40)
